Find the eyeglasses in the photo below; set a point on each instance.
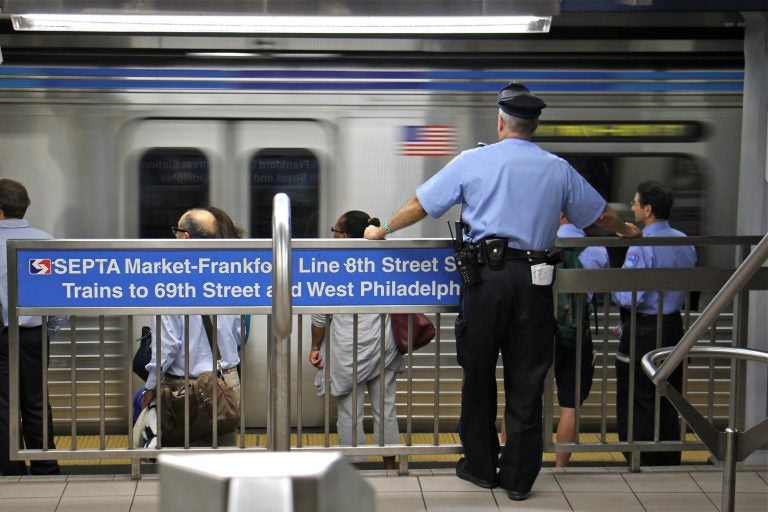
(334, 230)
(175, 230)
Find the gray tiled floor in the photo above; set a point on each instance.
(582, 489)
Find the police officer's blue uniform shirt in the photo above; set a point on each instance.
(657, 257)
(536, 185)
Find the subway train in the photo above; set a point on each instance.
(117, 144)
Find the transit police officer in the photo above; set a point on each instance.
(651, 206)
(511, 193)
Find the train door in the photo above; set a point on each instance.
(175, 164)
(171, 165)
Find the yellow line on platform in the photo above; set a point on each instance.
(309, 440)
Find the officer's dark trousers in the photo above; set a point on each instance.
(30, 405)
(504, 312)
(645, 390)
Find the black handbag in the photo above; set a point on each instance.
(143, 354)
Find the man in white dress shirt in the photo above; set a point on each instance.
(195, 223)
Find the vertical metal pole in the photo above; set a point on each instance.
(604, 378)
(741, 337)
(135, 462)
(355, 337)
(243, 374)
(280, 420)
(327, 381)
(729, 471)
(299, 381)
(382, 372)
(634, 461)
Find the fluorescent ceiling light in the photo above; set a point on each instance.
(151, 23)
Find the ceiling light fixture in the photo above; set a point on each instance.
(317, 25)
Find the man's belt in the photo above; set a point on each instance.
(181, 377)
(654, 315)
(626, 312)
(520, 254)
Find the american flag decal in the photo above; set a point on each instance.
(432, 140)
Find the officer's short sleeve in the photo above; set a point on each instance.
(584, 204)
(442, 190)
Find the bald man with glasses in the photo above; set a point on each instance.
(196, 223)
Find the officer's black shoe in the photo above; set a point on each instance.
(517, 496)
(463, 473)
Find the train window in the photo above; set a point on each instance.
(290, 171)
(618, 131)
(616, 177)
(171, 180)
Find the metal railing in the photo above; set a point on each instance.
(734, 443)
(702, 279)
(426, 379)
(279, 350)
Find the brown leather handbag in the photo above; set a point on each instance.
(201, 391)
(423, 330)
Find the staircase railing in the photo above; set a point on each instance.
(731, 445)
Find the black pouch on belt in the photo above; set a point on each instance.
(495, 250)
(554, 257)
(467, 260)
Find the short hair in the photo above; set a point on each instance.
(525, 126)
(199, 223)
(659, 198)
(354, 223)
(14, 199)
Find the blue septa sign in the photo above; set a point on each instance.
(75, 278)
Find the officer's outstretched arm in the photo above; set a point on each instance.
(410, 213)
(611, 221)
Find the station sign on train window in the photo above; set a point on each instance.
(294, 172)
(170, 180)
(656, 131)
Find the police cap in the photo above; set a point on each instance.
(516, 100)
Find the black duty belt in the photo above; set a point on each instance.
(520, 254)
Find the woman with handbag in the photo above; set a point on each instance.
(351, 225)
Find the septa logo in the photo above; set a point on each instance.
(40, 267)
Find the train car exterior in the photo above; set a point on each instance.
(120, 152)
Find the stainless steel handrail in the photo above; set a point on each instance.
(740, 277)
(279, 352)
(744, 354)
(727, 446)
(731, 445)
(281, 262)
